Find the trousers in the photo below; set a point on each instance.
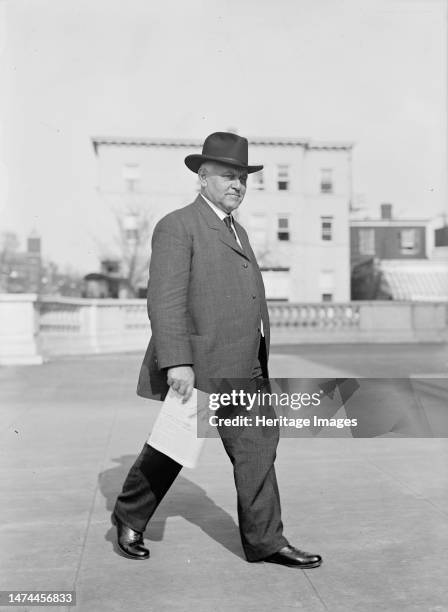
(252, 452)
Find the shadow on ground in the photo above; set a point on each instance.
(185, 499)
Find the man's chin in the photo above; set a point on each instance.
(232, 204)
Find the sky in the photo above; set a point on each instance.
(373, 72)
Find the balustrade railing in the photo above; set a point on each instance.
(31, 327)
(136, 316)
(64, 315)
(59, 317)
(328, 316)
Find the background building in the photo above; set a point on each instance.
(389, 238)
(392, 258)
(107, 283)
(28, 272)
(441, 242)
(20, 271)
(296, 210)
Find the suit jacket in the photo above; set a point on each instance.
(205, 301)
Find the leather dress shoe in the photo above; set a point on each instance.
(293, 557)
(130, 542)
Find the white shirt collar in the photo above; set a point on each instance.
(221, 214)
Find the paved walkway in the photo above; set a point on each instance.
(376, 509)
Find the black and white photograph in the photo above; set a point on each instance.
(224, 305)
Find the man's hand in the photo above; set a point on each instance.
(181, 380)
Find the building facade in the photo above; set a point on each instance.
(441, 237)
(400, 249)
(389, 238)
(20, 272)
(296, 210)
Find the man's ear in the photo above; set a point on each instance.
(202, 179)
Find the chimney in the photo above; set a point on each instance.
(386, 211)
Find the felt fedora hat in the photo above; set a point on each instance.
(223, 147)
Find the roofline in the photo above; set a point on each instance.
(330, 146)
(417, 263)
(191, 143)
(386, 222)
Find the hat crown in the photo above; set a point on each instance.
(224, 148)
(227, 146)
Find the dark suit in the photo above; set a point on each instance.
(205, 302)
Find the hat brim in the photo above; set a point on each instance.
(195, 161)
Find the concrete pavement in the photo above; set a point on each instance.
(376, 509)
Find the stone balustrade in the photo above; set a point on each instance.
(75, 326)
(314, 317)
(18, 329)
(32, 329)
(369, 321)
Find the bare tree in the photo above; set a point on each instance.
(134, 231)
(9, 246)
(265, 257)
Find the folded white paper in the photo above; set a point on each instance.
(175, 431)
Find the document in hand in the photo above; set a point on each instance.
(175, 432)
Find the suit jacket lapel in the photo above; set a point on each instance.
(214, 222)
(242, 235)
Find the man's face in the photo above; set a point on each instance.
(223, 185)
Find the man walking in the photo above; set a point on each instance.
(209, 322)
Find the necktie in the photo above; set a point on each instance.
(228, 221)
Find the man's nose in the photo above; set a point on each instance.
(236, 183)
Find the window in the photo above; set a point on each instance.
(258, 180)
(408, 241)
(131, 176)
(277, 282)
(326, 180)
(283, 177)
(283, 228)
(327, 228)
(131, 235)
(366, 244)
(258, 230)
(130, 227)
(326, 285)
